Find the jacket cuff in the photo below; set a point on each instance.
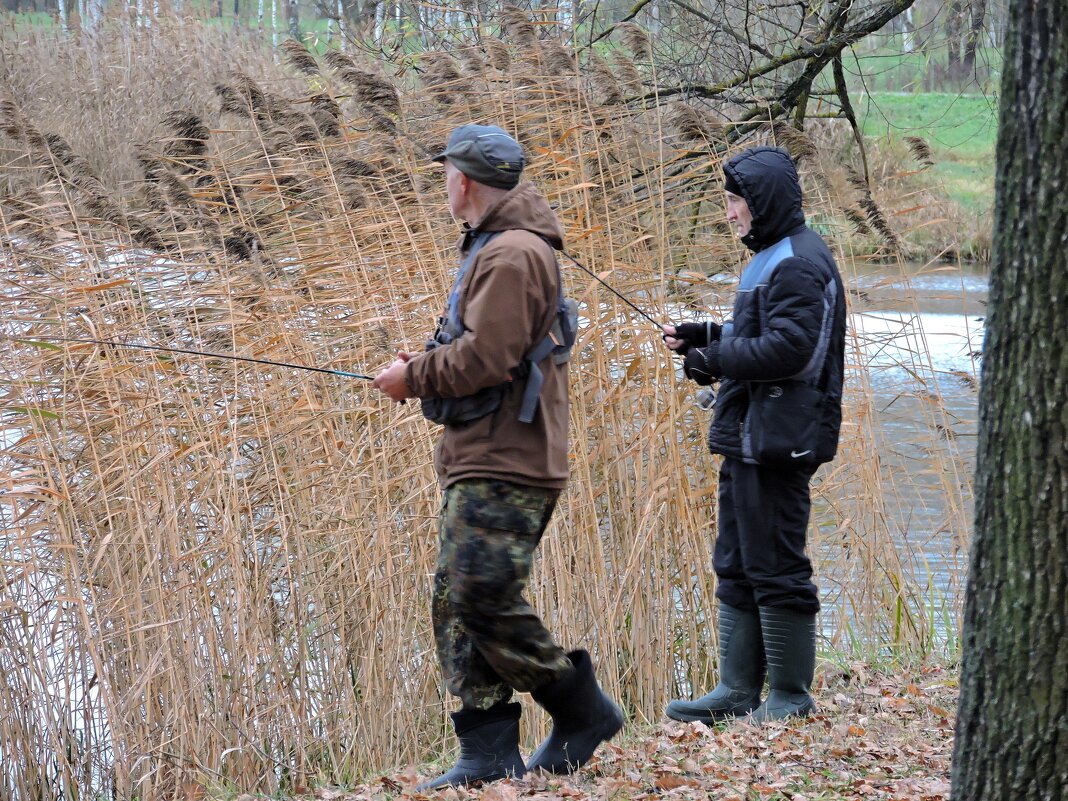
(715, 367)
(412, 377)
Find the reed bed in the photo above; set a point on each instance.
(218, 573)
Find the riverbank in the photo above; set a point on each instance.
(877, 736)
(931, 157)
(230, 562)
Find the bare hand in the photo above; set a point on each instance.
(393, 380)
(670, 340)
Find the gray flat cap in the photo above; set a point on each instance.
(485, 153)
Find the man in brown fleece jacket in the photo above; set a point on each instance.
(501, 476)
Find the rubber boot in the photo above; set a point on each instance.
(489, 747)
(741, 671)
(583, 718)
(790, 644)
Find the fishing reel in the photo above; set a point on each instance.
(705, 399)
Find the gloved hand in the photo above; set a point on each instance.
(702, 365)
(699, 334)
(680, 338)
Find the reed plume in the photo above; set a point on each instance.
(858, 220)
(326, 113)
(442, 77)
(298, 57)
(497, 53)
(518, 28)
(556, 58)
(366, 86)
(630, 77)
(693, 125)
(603, 81)
(796, 141)
(635, 39)
(920, 150)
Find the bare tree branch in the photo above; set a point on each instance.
(634, 11)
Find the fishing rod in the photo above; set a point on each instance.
(230, 356)
(606, 285)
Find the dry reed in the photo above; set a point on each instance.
(217, 572)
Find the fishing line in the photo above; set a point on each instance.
(659, 327)
(608, 286)
(230, 356)
(572, 259)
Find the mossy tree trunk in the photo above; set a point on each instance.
(1012, 731)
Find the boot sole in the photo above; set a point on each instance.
(799, 714)
(709, 718)
(468, 782)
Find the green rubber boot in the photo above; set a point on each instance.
(790, 645)
(741, 672)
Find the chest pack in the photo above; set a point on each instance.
(556, 344)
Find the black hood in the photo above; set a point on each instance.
(772, 190)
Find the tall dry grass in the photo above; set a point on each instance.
(215, 572)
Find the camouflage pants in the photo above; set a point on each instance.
(489, 639)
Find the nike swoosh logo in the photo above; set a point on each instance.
(796, 455)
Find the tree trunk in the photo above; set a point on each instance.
(974, 36)
(293, 16)
(1012, 730)
(954, 29)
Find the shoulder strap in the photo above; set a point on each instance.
(533, 374)
(535, 379)
(479, 239)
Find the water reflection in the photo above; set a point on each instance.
(916, 333)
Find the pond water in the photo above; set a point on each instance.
(917, 333)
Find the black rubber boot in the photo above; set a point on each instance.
(741, 672)
(489, 747)
(790, 644)
(583, 718)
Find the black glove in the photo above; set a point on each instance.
(699, 334)
(702, 365)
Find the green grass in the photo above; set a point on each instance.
(311, 25)
(960, 128)
(889, 68)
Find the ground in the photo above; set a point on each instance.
(875, 737)
(960, 129)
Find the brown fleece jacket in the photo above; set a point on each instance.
(507, 303)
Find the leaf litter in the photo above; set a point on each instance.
(882, 738)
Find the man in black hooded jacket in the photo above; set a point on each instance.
(782, 349)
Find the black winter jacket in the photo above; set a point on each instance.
(792, 303)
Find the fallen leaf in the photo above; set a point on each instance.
(500, 792)
(670, 781)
